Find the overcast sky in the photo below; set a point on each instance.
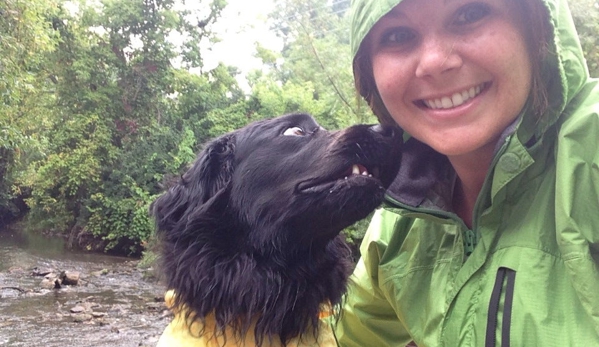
(243, 23)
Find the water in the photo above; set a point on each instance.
(118, 305)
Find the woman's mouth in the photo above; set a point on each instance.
(454, 100)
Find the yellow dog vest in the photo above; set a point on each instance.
(178, 334)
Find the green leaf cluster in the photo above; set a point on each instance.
(25, 39)
(586, 19)
(121, 222)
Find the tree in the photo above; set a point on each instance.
(115, 130)
(313, 72)
(25, 38)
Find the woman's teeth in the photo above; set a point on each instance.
(453, 101)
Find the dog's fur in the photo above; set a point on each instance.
(251, 231)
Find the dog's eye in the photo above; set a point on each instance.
(294, 131)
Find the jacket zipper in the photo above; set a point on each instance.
(505, 277)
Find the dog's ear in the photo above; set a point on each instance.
(207, 178)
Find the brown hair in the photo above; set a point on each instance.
(535, 19)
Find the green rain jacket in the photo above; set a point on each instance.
(532, 278)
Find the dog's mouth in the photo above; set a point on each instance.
(357, 173)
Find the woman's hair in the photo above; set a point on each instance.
(535, 21)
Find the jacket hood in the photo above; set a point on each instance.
(564, 70)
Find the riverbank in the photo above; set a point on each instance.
(115, 303)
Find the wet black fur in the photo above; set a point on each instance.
(243, 236)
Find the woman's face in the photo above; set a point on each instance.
(452, 73)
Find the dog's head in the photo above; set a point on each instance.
(287, 177)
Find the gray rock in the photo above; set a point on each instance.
(81, 317)
(47, 283)
(77, 309)
(70, 278)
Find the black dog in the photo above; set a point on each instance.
(251, 230)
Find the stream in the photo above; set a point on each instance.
(114, 302)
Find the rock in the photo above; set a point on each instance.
(69, 278)
(51, 276)
(156, 306)
(77, 309)
(51, 281)
(81, 317)
(14, 269)
(102, 322)
(47, 283)
(99, 273)
(98, 314)
(11, 292)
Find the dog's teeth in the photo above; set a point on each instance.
(355, 170)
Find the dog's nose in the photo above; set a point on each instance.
(384, 130)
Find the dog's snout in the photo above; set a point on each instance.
(384, 130)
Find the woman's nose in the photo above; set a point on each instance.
(437, 56)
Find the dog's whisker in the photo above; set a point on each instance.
(360, 148)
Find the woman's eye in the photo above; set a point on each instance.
(471, 13)
(294, 131)
(397, 36)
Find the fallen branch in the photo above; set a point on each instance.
(15, 288)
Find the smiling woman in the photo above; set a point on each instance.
(489, 232)
(435, 51)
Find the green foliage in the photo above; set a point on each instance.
(276, 99)
(116, 127)
(125, 219)
(25, 37)
(223, 120)
(586, 18)
(355, 233)
(73, 167)
(316, 60)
